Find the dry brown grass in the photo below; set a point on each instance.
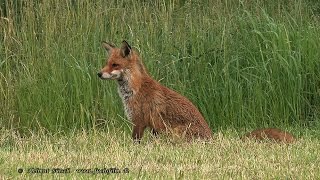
(224, 158)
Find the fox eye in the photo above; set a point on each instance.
(114, 65)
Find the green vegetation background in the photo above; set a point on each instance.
(244, 64)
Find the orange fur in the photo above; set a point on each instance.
(271, 134)
(148, 103)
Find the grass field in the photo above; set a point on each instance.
(244, 64)
(224, 158)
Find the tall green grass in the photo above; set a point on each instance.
(243, 63)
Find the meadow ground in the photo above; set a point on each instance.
(245, 64)
(112, 155)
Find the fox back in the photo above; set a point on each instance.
(147, 103)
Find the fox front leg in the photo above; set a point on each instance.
(137, 133)
(154, 132)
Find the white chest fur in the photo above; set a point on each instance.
(125, 92)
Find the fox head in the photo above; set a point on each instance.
(118, 61)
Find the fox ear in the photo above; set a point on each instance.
(109, 47)
(125, 49)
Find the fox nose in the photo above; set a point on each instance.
(99, 74)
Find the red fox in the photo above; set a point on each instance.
(147, 103)
(271, 134)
